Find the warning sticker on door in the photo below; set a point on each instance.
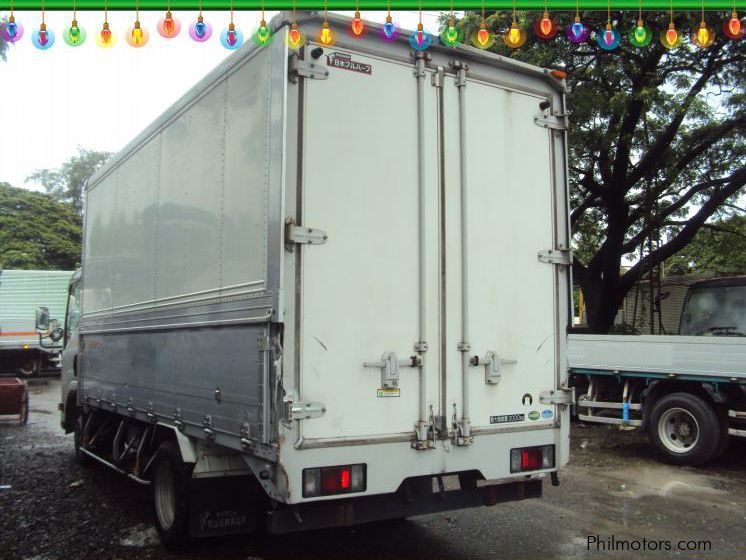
(385, 392)
(345, 62)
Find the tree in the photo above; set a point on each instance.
(37, 232)
(3, 44)
(66, 183)
(657, 146)
(718, 247)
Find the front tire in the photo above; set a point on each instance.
(171, 481)
(684, 429)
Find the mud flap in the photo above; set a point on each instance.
(222, 506)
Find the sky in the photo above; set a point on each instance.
(53, 101)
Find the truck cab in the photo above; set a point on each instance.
(69, 361)
(715, 307)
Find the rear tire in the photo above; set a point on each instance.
(684, 429)
(171, 479)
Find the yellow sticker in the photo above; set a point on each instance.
(384, 392)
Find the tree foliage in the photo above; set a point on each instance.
(37, 232)
(718, 247)
(3, 44)
(657, 145)
(66, 183)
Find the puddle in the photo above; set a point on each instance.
(141, 536)
(665, 482)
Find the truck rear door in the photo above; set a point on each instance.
(510, 297)
(360, 290)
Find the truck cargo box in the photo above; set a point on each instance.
(343, 255)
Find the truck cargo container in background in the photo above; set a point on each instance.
(21, 292)
(330, 286)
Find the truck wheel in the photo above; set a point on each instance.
(81, 457)
(684, 429)
(171, 480)
(29, 367)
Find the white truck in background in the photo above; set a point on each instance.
(323, 283)
(22, 350)
(688, 392)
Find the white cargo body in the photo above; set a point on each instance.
(21, 292)
(346, 255)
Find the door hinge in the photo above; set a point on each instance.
(557, 121)
(438, 77)
(492, 366)
(389, 366)
(301, 235)
(306, 69)
(556, 256)
(563, 396)
(295, 410)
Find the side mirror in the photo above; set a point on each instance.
(42, 319)
(56, 332)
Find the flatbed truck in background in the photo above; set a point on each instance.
(21, 292)
(325, 285)
(688, 392)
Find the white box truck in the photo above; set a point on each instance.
(21, 292)
(330, 287)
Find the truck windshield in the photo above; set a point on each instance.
(716, 311)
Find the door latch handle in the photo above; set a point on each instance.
(492, 366)
(389, 366)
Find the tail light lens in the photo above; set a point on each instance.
(526, 459)
(327, 481)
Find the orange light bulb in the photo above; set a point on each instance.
(672, 35)
(294, 36)
(545, 24)
(357, 25)
(483, 36)
(734, 24)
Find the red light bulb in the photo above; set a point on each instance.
(294, 36)
(734, 24)
(483, 36)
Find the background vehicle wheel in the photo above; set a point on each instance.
(171, 479)
(684, 429)
(29, 367)
(81, 457)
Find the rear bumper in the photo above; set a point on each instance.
(410, 500)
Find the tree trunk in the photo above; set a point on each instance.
(601, 305)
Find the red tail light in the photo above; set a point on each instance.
(325, 481)
(532, 458)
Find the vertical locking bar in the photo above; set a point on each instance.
(421, 345)
(464, 436)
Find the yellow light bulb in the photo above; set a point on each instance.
(515, 34)
(326, 34)
(703, 34)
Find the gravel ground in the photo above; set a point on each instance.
(51, 508)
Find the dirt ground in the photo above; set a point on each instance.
(51, 508)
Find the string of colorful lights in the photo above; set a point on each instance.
(545, 28)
